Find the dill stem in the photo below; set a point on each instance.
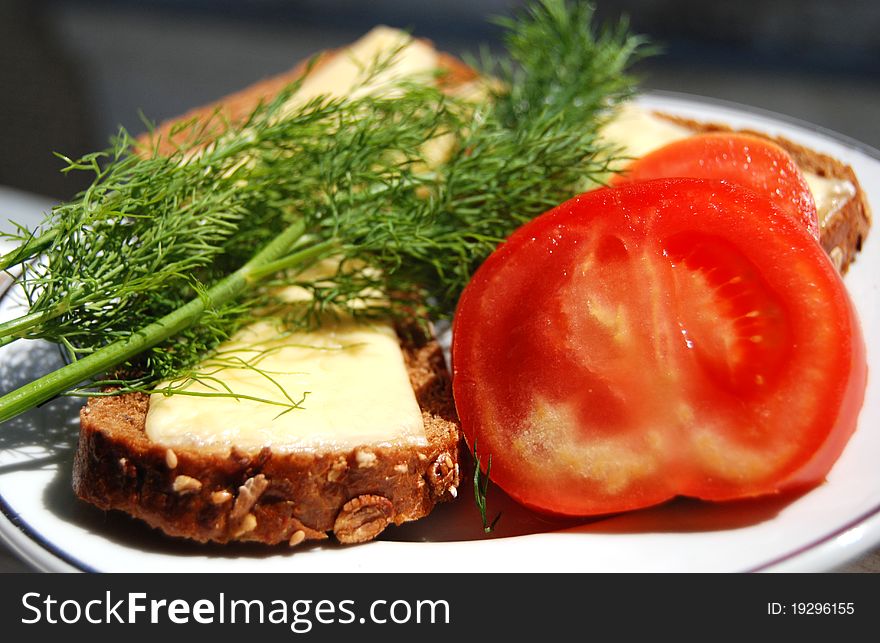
(62, 380)
(28, 249)
(295, 259)
(16, 328)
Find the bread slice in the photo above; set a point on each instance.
(841, 234)
(273, 497)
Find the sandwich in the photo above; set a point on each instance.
(375, 442)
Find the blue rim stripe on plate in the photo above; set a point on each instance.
(19, 523)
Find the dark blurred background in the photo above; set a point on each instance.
(72, 71)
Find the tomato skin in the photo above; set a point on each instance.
(748, 160)
(851, 391)
(583, 420)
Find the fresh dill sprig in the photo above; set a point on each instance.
(481, 488)
(154, 265)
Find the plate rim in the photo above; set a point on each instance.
(30, 546)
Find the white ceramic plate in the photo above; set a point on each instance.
(44, 523)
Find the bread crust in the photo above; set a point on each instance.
(266, 496)
(843, 235)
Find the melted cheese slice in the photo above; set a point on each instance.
(349, 380)
(350, 377)
(830, 194)
(637, 132)
(399, 56)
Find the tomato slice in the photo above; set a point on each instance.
(740, 158)
(672, 337)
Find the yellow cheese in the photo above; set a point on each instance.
(637, 132)
(350, 377)
(398, 54)
(830, 195)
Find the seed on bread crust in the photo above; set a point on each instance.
(363, 518)
(337, 471)
(186, 484)
(443, 474)
(246, 525)
(219, 497)
(171, 459)
(248, 494)
(365, 458)
(310, 534)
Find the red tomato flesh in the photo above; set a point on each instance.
(673, 337)
(739, 158)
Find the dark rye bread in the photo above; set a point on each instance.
(844, 233)
(273, 497)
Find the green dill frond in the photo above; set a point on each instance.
(481, 488)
